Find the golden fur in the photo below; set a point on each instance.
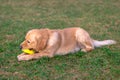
(46, 42)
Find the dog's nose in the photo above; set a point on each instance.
(20, 47)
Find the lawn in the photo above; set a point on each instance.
(101, 18)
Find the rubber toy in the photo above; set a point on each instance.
(27, 51)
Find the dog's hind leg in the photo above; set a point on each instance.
(84, 41)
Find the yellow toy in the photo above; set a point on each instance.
(27, 51)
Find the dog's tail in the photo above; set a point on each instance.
(103, 43)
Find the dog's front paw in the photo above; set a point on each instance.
(24, 57)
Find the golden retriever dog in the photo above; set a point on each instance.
(48, 43)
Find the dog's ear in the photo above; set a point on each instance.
(42, 39)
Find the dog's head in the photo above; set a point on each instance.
(35, 39)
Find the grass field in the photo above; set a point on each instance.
(101, 18)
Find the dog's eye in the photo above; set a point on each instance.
(28, 41)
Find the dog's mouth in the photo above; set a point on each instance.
(34, 50)
(31, 49)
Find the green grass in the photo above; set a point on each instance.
(101, 18)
